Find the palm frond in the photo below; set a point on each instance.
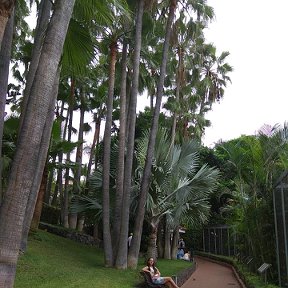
(83, 203)
(78, 51)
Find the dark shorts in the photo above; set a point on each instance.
(159, 280)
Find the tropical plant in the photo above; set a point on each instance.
(33, 143)
(258, 163)
(135, 245)
(179, 187)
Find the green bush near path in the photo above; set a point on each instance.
(52, 262)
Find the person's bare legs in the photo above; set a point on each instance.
(169, 281)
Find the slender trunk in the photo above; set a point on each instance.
(160, 239)
(121, 261)
(174, 247)
(106, 160)
(79, 150)
(167, 252)
(135, 246)
(59, 180)
(128, 97)
(39, 203)
(29, 159)
(96, 156)
(151, 102)
(56, 190)
(5, 54)
(78, 159)
(65, 203)
(177, 95)
(93, 147)
(49, 184)
(69, 219)
(42, 22)
(121, 153)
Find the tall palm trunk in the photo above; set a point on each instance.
(29, 159)
(43, 151)
(79, 155)
(135, 245)
(57, 189)
(5, 53)
(177, 94)
(160, 238)
(121, 261)
(167, 250)
(96, 156)
(39, 203)
(53, 162)
(106, 160)
(6, 7)
(70, 220)
(49, 184)
(42, 22)
(121, 152)
(94, 144)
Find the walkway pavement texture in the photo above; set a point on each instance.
(212, 275)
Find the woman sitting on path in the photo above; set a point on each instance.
(155, 274)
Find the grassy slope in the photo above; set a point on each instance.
(52, 261)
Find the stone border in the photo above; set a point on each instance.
(70, 234)
(185, 274)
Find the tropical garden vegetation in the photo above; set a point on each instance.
(81, 72)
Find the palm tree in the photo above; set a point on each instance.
(106, 159)
(30, 206)
(30, 156)
(121, 150)
(258, 163)
(187, 36)
(135, 245)
(121, 260)
(42, 22)
(180, 187)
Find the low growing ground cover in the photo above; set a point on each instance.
(52, 262)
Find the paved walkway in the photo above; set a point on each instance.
(211, 275)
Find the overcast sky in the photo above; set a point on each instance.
(255, 33)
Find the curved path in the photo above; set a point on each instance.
(212, 275)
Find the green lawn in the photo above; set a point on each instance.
(53, 261)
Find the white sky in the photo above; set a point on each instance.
(255, 34)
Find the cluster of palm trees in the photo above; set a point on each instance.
(97, 57)
(251, 166)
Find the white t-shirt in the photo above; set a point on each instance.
(154, 273)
